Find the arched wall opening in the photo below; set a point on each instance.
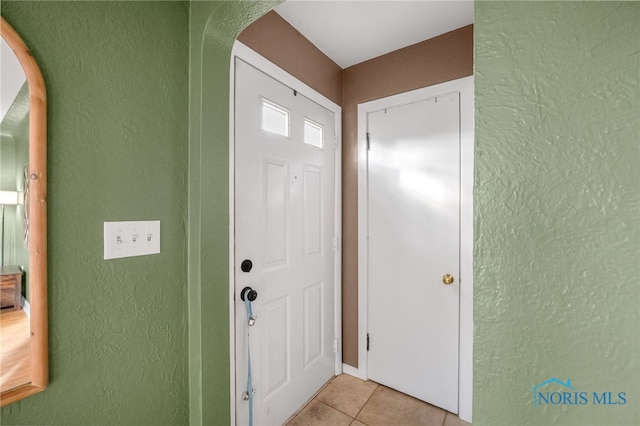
(437, 60)
(214, 28)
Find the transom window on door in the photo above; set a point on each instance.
(313, 133)
(275, 119)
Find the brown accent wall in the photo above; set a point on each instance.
(443, 58)
(275, 39)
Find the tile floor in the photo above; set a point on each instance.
(349, 401)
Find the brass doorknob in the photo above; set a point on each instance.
(447, 279)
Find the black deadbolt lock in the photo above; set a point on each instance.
(246, 265)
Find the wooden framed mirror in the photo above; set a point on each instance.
(24, 277)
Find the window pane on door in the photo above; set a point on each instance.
(275, 119)
(312, 133)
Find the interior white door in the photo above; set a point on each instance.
(414, 240)
(285, 225)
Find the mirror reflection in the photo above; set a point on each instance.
(15, 351)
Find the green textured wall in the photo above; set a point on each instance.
(8, 146)
(214, 26)
(7, 183)
(557, 209)
(21, 253)
(14, 154)
(117, 86)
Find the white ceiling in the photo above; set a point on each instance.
(350, 32)
(11, 77)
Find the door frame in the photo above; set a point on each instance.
(251, 57)
(465, 354)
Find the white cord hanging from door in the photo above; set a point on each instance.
(248, 295)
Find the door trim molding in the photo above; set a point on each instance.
(253, 58)
(465, 355)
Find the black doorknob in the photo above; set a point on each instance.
(246, 265)
(249, 293)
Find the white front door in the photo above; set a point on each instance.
(414, 240)
(284, 225)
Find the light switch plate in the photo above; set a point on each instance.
(128, 239)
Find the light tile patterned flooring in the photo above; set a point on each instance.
(349, 401)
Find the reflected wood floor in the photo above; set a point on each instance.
(15, 353)
(349, 401)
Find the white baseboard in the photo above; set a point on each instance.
(26, 307)
(352, 371)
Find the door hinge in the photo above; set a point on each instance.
(367, 342)
(368, 142)
(335, 243)
(335, 141)
(335, 346)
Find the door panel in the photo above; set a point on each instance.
(313, 323)
(312, 211)
(414, 239)
(275, 189)
(277, 352)
(285, 223)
